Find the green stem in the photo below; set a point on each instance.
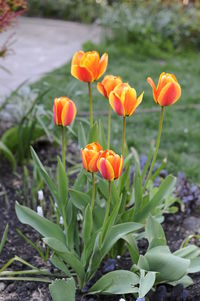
(109, 125)
(157, 147)
(90, 99)
(46, 280)
(63, 147)
(124, 135)
(93, 191)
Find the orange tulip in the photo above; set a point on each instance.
(110, 165)
(64, 111)
(123, 100)
(90, 155)
(88, 66)
(108, 84)
(168, 90)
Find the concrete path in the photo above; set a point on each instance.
(40, 46)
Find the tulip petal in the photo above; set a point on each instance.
(77, 57)
(101, 89)
(84, 160)
(151, 83)
(54, 114)
(90, 61)
(116, 104)
(169, 94)
(81, 73)
(102, 65)
(92, 166)
(106, 169)
(138, 102)
(68, 113)
(130, 101)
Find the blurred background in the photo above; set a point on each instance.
(142, 38)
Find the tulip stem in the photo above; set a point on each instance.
(124, 135)
(157, 147)
(90, 99)
(63, 147)
(109, 123)
(93, 191)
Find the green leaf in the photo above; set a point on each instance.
(124, 179)
(194, 266)
(117, 282)
(154, 233)
(79, 199)
(82, 141)
(44, 174)
(101, 135)
(87, 225)
(4, 237)
(132, 247)
(186, 281)
(62, 289)
(146, 283)
(55, 244)
(40, 224)
(8, 154)
(189, 252)
(138, 189)
(164, 190)
(62, 183)
(93, 134)
(170, 267)
(73, 262)
(58, 263)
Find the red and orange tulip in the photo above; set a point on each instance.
(123, 99)
(88, 66)
(64, 111)
(168, 90)
(90, 155)
(110, 165)
(108, 84)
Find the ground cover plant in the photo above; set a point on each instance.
(108, 214)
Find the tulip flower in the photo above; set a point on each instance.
(124, 101)
(167, 92)
(88, 67)
(64, 111)
(90, 155)
(110, 166)
(105, 88)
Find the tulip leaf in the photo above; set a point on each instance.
(164, 190)
(58, 263)
(146, 283)
(79, 199)
(194, 265)
(45, 227)
(55, 244)
(101, 135)
(132, 247)
(87, 225)
(154, 233)
(189, 252)
(168, 266)
(4, 238)
(8, 154)
(185, 281)
(59, 289)
(44, 174)
(93, 133)
(117, 282)
(82, 141)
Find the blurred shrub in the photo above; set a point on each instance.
(77, 10)
(167, 24)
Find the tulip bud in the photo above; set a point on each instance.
(90, 155)
(168, 90)
(88, 66)
(108, 84)
(123, 100)
(64, 111)
(110, 165)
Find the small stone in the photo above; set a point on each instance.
(2, 286)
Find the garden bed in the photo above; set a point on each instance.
(177, 227)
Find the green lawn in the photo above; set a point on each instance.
(181, 132)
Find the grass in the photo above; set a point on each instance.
(180, 141)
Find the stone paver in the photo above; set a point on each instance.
(40, 46)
